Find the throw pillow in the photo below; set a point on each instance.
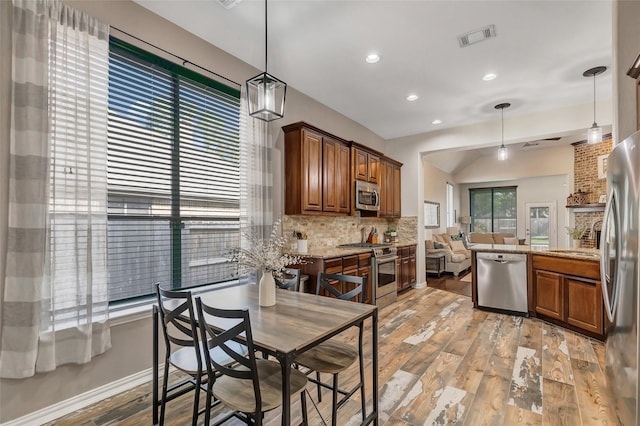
(511, 241)
(437, 238)
(446, 238)
(457, 246)
(429, 245)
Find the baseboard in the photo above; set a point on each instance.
(82, 400)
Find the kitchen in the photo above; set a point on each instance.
(301, 108)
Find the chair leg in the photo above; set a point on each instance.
(207, 412)
(196, 400)
(303, 407)
(318, 387)
(334, 404)
(165, 379)
(361, 359)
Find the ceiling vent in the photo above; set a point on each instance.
(476, 36)
(229, 4)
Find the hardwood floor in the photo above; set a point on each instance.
(442, 362)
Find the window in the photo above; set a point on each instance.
(173, 175)
(451, 219)
(493, 209)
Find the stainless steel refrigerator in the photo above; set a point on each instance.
(619, 270)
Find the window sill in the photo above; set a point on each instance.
(127, 312)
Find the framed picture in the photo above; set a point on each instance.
(431, 215)
(602, 166)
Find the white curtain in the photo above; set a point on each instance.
(256, 174)
(55, 307)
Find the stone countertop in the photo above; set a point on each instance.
(329, 252)
(568, 253)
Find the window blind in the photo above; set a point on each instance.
(173, 175)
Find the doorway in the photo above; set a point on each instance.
(541, 224)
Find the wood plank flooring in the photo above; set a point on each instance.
(441, 362)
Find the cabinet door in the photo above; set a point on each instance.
(311, 172)
(366, 273)
(584, 303)
(360, 164)
(343, 183)
(386, 188)
(336, 178)
(412, 265)
(373, 168)
(399, 273)
(396, 192)
(550, 294)
(333, 266)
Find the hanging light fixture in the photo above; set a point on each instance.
(594, 134)
(502, 151)
(266, 93)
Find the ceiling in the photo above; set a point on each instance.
(318, 47)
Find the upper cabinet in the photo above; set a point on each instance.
(317, 176)
(321, 169)
(366, 165)
(390, 188)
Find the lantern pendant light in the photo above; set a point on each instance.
(594, 134)
(265, 93)
(502, 151)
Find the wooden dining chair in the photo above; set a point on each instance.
(333, 356)
(290, 279)
(251, 386)
(184, 350)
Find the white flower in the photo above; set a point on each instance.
(264, 254)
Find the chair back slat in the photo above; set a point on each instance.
(245, 367)
(290, 279)
(179, 324)
(323, 283)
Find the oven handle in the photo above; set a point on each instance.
(380, 261)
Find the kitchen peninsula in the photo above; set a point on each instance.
(562, 285)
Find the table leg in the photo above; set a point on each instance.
(285, 363)
(154, 318)
(374, 330)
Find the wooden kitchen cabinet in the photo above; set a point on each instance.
(366, 165)
(317, 172)
(390, 188)
(406, 267)
(569, 293)
(550, 294)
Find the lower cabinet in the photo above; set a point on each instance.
(569, 291)
(406, 267)
(356, 264)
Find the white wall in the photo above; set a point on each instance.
(435, 189)
(530, 190)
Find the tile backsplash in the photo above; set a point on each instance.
(330, 231)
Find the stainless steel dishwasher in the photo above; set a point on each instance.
(502, 281)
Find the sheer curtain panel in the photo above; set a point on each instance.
(256, 174)
(55, 308)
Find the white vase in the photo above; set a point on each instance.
(577, 243)
(302, 246)
(267, 289)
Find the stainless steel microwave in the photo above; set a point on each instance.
(367, 196)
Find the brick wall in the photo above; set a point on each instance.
(586, 179)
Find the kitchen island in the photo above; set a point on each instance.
(563, 286)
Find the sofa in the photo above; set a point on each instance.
(493, 238)
(457, 256)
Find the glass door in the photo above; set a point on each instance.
(541, 225)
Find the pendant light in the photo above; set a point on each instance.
(502, 151)
(594, 134)
(266, 93)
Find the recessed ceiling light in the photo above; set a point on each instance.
(412, 97)
(489, 77)
(436, 121)
(372, 58)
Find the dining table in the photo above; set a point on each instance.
(296, 323)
